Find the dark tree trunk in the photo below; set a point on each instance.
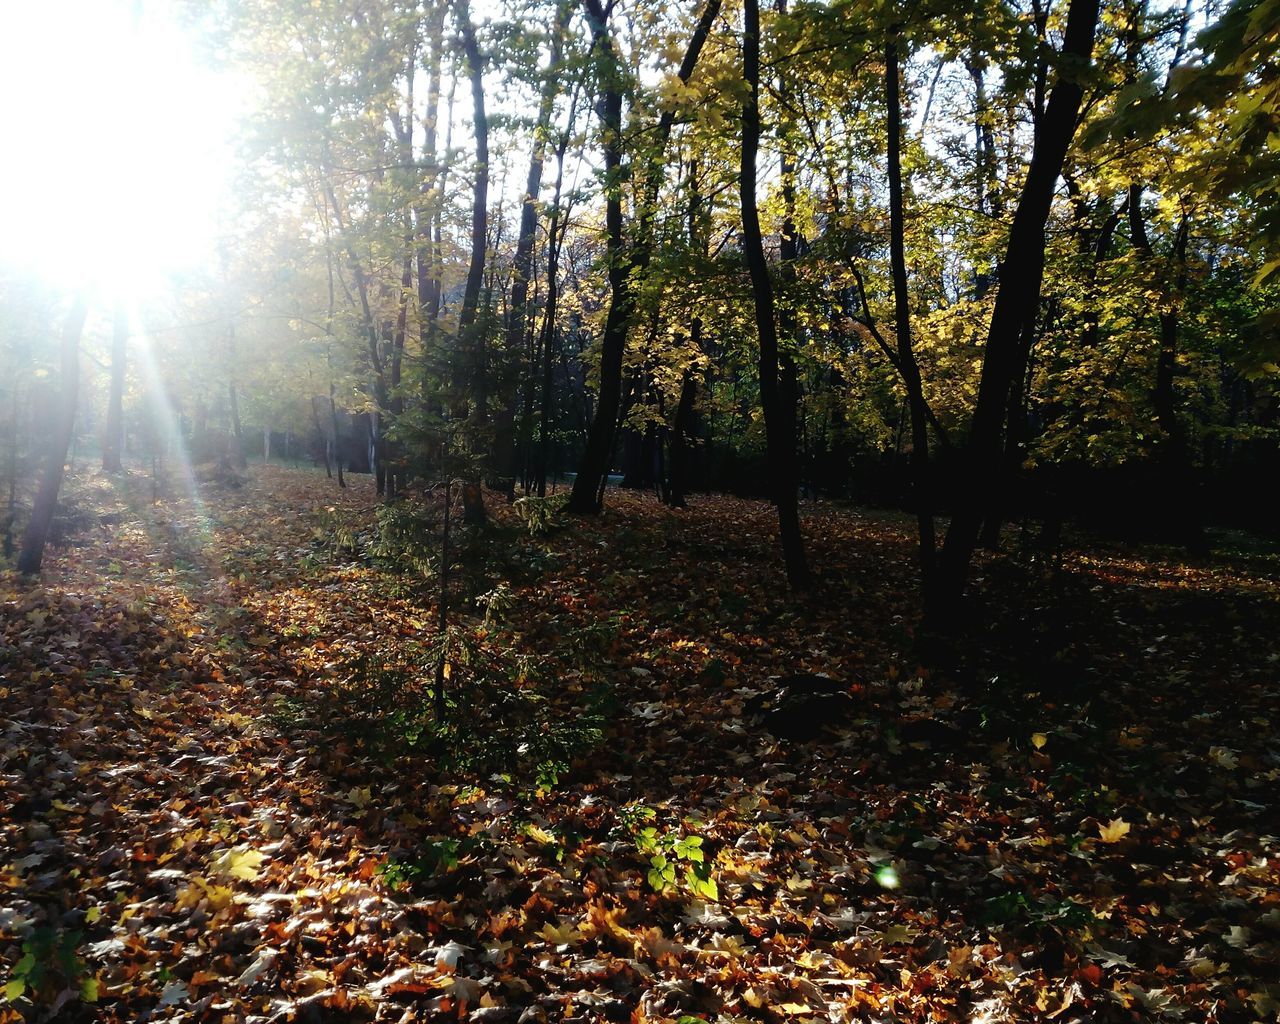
(468, 316)
(595, 457)
(376, 365)
(337, 436)
(31, 554)
(906, 356)
(1021, 273)
(471, 326)
(588, 486)
(428, 201)
(1178, 494)
(113, 441)
(780, 439)
(503, 469)
(678, 468)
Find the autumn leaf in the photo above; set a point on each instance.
(241, 862)
(1113, 831)
(561, 935)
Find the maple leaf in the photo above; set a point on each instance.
(1113, 831)
(561, 935)
(242, 862)
(1224, 757)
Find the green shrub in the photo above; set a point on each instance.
(497, 717)
(542, 515)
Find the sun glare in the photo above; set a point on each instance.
(121, 144)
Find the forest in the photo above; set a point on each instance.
(521, 511)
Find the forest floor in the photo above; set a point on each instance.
(1077, 821)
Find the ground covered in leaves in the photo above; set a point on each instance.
(221, 798)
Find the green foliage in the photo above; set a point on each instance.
(675, 858)
(409, 537)
(434, 858)
(50, 964)
(497, 715)
(542, 515)
(337, 538)
(1014, 906)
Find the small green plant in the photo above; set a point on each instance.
(497, 602)
(1014, 906)
(542, 515)
(438, 857)
(409, 538)
(676, 859)
(50, 963)
(497, 717)
(336, 538)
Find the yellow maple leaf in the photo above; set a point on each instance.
(200, 889)
(241, 862)
(561, 935)
(1114, 831)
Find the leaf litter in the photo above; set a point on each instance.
(1081, 832)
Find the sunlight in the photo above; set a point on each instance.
(125, 152)
(165, 428)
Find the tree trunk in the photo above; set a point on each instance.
(470, 326)
(623, 266)
(428, 203)
(678, 468)
(337, 436)
(1020, 276)
(780, 440)
(113, 440)
(907, 365)
(503, 469)
(376, 365)
(31, 553)
(469, 314)
(1178, 495)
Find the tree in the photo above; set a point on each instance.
(31, 553)
(779, 420)
(113, 436)
(1020, 274)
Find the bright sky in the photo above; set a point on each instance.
(118, 150)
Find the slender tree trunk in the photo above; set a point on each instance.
(503, 469)
(547, 345)
(31, 554)
(588, 486)
(376, 364)
(906, 356)
(337, 435)
(1021, 273)
(780, 440)
(428, 204)
(595, 458)
(681, 428)
(1178, 493)
(788, 251)
(469, 314)
(113, 441)
(474, 392)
